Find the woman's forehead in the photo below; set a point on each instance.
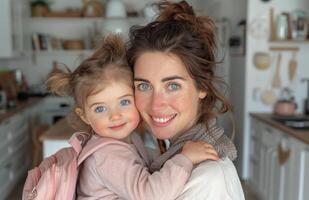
(151, 65)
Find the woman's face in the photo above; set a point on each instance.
(165, 94)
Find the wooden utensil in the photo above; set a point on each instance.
(292, 67)
(276, 83)
(268, 96)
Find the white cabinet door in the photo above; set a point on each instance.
(12, 17)
(304, 174)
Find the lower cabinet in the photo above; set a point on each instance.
(15, 149)
(279, 164)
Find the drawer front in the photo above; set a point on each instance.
(4, 131)
(4, 152)
(5, 175)
(20, 163)
(17, 125)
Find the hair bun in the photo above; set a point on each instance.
(175, 11)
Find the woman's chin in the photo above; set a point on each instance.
(162, 133)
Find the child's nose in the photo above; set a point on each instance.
(115, 116)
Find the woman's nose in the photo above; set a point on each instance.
(158, 101)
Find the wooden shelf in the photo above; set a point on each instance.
(81, 19)
(291, 41)
(62, 52)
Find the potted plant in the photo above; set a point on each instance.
(39, 8)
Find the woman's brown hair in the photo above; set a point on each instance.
(108, 63)
(178, 31)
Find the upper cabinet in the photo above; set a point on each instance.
(12, 21)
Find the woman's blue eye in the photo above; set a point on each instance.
(173, 87)
(100, 109)
(143, 87)
(125, 102)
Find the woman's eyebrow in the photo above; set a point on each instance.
(141, 79)
(172, 78)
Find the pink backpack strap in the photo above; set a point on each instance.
(92, 146)
(78, 140)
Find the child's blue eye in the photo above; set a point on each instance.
(125, 102)
(143, 87)
(173, 87)
(100, 109)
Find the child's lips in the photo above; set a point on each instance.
(117, 127)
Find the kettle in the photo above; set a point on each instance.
(286, 106)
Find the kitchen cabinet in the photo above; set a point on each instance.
(13, 32)
(278, 164)
(14, 149)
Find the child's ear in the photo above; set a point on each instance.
(81, 114)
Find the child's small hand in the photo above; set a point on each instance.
(199, 151)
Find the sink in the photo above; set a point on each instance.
(295, 122)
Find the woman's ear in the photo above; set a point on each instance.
(202, 94)
(81, 114)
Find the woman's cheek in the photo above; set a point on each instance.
(141, 101)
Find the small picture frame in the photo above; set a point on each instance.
(299, 25)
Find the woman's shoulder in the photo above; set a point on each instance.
(215, 171)
(214, 180)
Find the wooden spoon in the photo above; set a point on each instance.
(292, 67)
(276, 83)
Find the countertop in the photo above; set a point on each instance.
(302, 135)
(20, 105)
(59, 131)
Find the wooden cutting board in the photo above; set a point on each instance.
(9, 85)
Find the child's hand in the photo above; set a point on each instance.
(199, 151)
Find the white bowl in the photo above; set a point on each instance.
(115, 9)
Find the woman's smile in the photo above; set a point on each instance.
(163, 120)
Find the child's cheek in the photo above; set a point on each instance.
(135, 118)
(98, 126)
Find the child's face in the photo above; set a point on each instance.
(112, 112)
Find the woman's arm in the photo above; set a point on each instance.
(213, 180)
(123, 172)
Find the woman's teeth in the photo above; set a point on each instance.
(163, 119)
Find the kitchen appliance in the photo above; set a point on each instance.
(299, 122)
(286, 105)
(55, 108)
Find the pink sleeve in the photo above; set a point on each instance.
(124, 173)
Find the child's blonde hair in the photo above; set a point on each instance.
(107, 64)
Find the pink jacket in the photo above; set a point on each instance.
(118, 169)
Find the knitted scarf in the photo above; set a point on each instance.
(214, 136)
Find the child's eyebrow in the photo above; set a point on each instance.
(126, 95)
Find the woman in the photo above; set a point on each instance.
(173, 59)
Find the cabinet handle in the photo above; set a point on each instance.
(283, 156)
